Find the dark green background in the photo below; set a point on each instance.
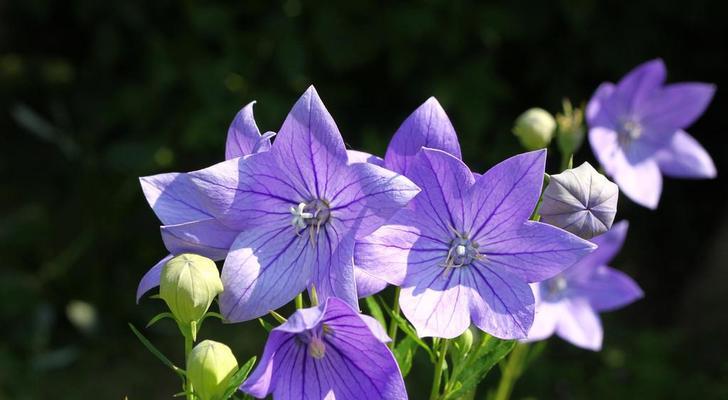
(94, 94)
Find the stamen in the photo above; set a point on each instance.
(312, 215)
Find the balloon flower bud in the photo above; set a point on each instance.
(581, 201)
(210, 365)
(570, 124)
(535, 128)
(188, 285)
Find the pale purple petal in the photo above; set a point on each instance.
(376, 328)
(685, 158)
(367, 284)
(174, 198)
(608, 245)
(505, 196)
(598, 112)
(266, 268)
(534, 251)
(356, 156)
(641, 182)
(580, 325)
(243, 137)
(364, 196)
(436, 301)
(640, 84)
(151, 278)
(279, 349)
(675, 106)
(206, 237)
(427, 126)
(545, 318)
(609, 289)
(501, 304)
(333, 275)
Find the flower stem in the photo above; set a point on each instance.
(512, 371)
(567, 161)
(393, 324)
(435, 392)
(188, 349)
(299, 301)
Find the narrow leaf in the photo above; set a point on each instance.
(237, 379)
(408, 329)
(267, 326)
(480, 363)
(155, 351)
(404, 352)
(375, 310)
(159, 317)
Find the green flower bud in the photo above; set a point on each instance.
(465, 341)
(571, 128)
(535, 128)
(188, 285)
(210, 365)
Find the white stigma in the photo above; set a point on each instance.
(300, 216)
(460, 250)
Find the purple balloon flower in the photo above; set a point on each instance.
(569, 303)
(327, 352)
(428, 126)
(298, 208)
(636, 131)
(464, 249)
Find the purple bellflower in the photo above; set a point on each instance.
(569, 303)
(298, 209)
(327, 352)
(464, 249)
(636, 131)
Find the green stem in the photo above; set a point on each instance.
(299, 301)
(512, 371)
(188, 349)
(566, 161)
(435, 392)
(393, 324)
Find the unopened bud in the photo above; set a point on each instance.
(210, 365)
(570, 124)
(189, 284)
(581, 201)
(535, 128)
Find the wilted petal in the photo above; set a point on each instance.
(150, 279)
(356, 156)
(580, 325)
(174, 198)
(685, 158)
(501, 304)
(581, 201)
(534, 251)
(428, 126)
(505, 196)
(243, 137)
(676, 106)
(206, 237)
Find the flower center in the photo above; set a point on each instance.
(629, 130)
(554, 288)
(462, 252)
(312, 215)
(317, 348)
(314, 341)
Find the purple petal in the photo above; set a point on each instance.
(150, 280)
(609, 289)
(598, 112)
(445, 181)
(367, 284)
(266, 268)
(174, 198)
(640, 83)
(376, 328)
(608, 244)
(436, 301)
(580, 325)
(427, 126)
(206, 237)
(243, 137)
(309, 147)
(505, 196)
(279, 352)
(685, 158)
(545, 317)
(675, 106)
(501, 304)
(534, 251)
(404, 241)
(364, 196)
(333, 273)
(356, 156)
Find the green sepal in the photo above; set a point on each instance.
(408, 330)
(237, 379)
(375, 311)
(156, 352)
(159, 317)
(265, 324)
(278, 317)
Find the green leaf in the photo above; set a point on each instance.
(159, 317)
(155, 351)
(408, 330)
(237, 379)
(375, 310)
(467, 375)
(404, 352)
(268, 327)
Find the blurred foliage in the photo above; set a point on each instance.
(94, 94)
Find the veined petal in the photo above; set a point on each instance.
(640, 84)
(266, 267)
(609, 289)
(505, 196)
(445, 181)
(608, 245)
(309, 147)
(356, 156)
(281, 352)
(174, 198)
(684, 157)
(367, 284)
(501, 304)
(428, 126)
(364, 196)
(206, 237)
(675, 106)
(243, 137)
(580, 325)
(333, 274)
(151, 278)
(534, 251)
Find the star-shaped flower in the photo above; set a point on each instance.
(464, 249)
(637, 131)
(327, 352)
(569, 303)
(298, 208)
